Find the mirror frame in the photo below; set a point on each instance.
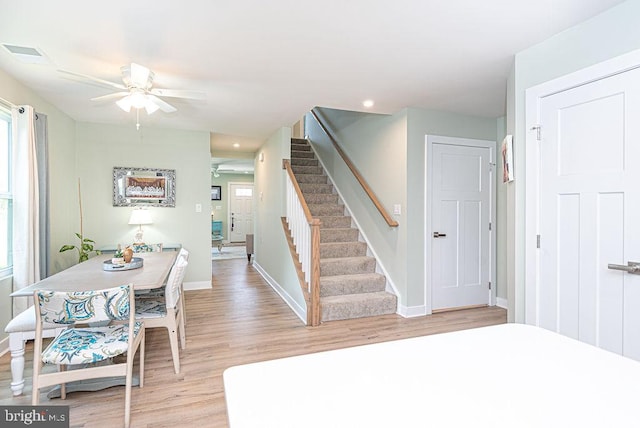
(126, 194)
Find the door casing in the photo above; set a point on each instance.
(491, 145)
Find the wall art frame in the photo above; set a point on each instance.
(144, 187)
(216, 193)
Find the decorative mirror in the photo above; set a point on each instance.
(144, 187)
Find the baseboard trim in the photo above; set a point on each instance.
(502, 303)
(412, 311)
(4, 346)
(197, 285)
(295, 307)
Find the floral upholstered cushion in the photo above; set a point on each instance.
(142, 248)
(150, 293)
(151, 308)
(89, 345)
(84, 306)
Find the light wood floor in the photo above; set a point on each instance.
(240, 320)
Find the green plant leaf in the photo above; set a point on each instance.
(67, 248)
(79, 236)
(88, 240)
(87, 247)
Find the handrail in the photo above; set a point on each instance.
(365, 186)
(308, 250)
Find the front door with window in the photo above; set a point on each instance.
(240, 211)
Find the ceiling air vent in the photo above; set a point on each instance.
(26, 54)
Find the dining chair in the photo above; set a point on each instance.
(159, 292)
(82, 344)
(166, 311)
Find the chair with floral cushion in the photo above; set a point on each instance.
(166, 311)
(159, 292)
(83, 344)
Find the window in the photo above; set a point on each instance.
(244, 192)
(6, 197)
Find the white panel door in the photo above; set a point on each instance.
(589, 211)
(460, 244)
(240, 211)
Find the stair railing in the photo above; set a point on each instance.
(305, 232)
(365, 186)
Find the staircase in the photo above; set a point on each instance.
(349, 285)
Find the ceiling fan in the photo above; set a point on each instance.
(136, 90)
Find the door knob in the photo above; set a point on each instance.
(631, 267)
(439, 235)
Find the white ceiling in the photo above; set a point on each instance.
(263, 64)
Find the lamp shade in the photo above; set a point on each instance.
(140, 216)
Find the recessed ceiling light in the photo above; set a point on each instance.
(368, 103)
(236, 145)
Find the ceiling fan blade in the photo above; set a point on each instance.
(140, 76)
(91, 79)
(177, 93)
(110, 96)
(163, 105)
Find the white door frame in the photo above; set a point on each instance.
(229, 184)
(533, 97)
(491, 145)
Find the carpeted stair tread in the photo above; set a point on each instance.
(332, 222)
(297, 154)
(361, 305)
(304, 169)
(311, 178)
(300, 145)
(338, 234)
(352, 284)
(316, 188)
(326, 209)
(304, 162)
(347, 265)
(342, 249)
(321, 198)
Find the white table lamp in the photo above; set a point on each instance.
(140, 216)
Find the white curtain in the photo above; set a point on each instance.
(26, 219)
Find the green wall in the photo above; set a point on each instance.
(605, 36)
(272, 256)
(223, 212)
(102, 147)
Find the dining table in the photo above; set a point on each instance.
(90, 275)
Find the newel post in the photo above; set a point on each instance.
(315, 272)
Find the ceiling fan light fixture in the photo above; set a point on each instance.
(138, 99)
(150, 106)
(125, 103)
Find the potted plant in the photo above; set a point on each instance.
(118, 257)
(85, 248)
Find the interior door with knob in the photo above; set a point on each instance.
(240, 211)
(461, 180)
(589, 213)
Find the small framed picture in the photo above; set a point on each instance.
(216, 193)
(507, 159)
